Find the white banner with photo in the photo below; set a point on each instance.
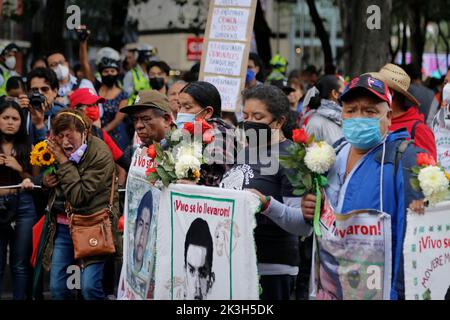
(205, 248)
(141, 208)
(352, 258)
(427, 254)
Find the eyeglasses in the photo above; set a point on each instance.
(45, 89)
(145, 120)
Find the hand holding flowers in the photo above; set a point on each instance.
(309, 160)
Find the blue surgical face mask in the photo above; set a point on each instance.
(183, 118)
(362, 133)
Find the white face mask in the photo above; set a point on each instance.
(10, 62)
(62, 72)
(446, 93)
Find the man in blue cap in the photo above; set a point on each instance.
(368, 154)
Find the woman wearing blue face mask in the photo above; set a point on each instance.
(373, 166)
(200, 100)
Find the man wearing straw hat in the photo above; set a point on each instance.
(403, 116)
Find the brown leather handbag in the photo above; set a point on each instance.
(92, 234)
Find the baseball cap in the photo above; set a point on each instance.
(149, 99)
(373, 85)
(283, 85)
(85, 96)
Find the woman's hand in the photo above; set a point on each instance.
(183, 181)
(308, 206)
(10, 162)
(262, 198)
(57, 151)
(418, 206)
(50, 181)
(27, 184)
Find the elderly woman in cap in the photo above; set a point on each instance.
(84, 174)
(368, 154)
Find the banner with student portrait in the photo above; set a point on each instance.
(427, 254)
(205, 248)
(352, 258)
(141, 209)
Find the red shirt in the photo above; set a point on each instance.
(115, 150)
(423, 136)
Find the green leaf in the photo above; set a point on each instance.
(307, 181)
(159, 151)
(415, 170)
(163, 174)
(299, 192)
(153, 176)
(323, 181)
(310, 139)
(415, 184)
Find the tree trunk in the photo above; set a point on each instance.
(54, 24)
(262, 35)
(367, 50)
(405, 42)
(418, 20)
(119, 10)
(323, 36)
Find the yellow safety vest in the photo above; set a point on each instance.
(139, 83)
(6, 77)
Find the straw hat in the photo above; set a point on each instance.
(397, 79)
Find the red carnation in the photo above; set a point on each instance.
(150, 170)
(151, 152)
(300, 136)
(424, 159)
(121, 224)
(208, 136)
(189, 127)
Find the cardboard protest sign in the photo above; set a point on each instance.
(427, 254)
(352, 259)
(226, 48)
(141, 210)
(205, 247)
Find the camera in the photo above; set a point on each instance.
(36, 100)
(82, 34)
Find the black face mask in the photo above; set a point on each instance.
(261, 130)
(109, 81)
(157, 83)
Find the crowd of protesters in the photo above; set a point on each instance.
(92, 123)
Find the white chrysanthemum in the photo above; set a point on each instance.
(320, 157)
(193, 149)
(186, 163)
(432, 181)
(176, 135)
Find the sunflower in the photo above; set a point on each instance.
(46, 158)
(196, 175)
(447, 175)
(41, 146)
(34, 158)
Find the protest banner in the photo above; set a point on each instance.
(205, 247)
(140, 210)
(352, 259)
(226, 48)
(427, 254)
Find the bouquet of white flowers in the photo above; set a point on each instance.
(430, 179)
(310, 160)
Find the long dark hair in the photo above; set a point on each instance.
(325, 85)
(206, 95)
(21, 141)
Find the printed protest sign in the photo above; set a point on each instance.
(352, 259)
(427, 254)
(226, 48)
(141, 209)
(205, 247)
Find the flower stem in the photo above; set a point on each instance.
(317, 209)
